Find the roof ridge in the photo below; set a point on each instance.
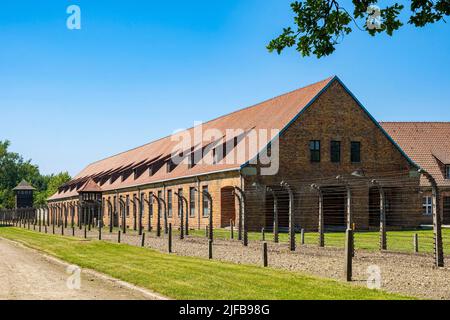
(217, 118)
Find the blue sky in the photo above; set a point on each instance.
(138, 70)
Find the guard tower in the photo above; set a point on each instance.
(24, 193)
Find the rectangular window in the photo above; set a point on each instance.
(192, 202)
(427, 206)
(205, 202)
(355, 152)
(447, 172)
(180, 204)
(169, 203)
(314, 147)
(335, 151)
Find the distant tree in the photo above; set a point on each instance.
(321, 24)
(14, 169)
(53, 182)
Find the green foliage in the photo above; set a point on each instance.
(14, 169)
(321, 24)
(53, 182)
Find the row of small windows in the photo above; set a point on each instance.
(24, 192)
(169, 203)
(335, 151)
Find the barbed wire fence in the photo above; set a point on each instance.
(382, 213)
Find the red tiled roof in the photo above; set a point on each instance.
(90, 186)
(275, 113)
(426, 143)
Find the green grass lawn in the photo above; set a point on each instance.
(189, 278)
(397, 240)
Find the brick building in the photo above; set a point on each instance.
(428, 144)
(318, 133)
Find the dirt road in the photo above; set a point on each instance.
(28, 275)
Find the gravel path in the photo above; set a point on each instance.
(28, 275)
(407, 274)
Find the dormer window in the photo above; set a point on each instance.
(447, 172)
(192, 159)
(170, 166)
(214, 155)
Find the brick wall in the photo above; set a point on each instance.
(334, 116)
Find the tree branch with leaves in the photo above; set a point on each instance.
(320, 25)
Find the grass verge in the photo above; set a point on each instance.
(191, 278)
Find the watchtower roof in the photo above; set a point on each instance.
(24, 186)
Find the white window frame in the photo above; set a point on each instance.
(427, 205)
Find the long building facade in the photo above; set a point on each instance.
(280, 154)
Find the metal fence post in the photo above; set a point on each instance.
(437, 223)
(187, 216)
(276, 238)
(143, 239)
(243, 214)
(170, 238)
(263, 234)
(265, 256)
(181, 214)
(118, 236)
(231, 230)
(416, 243)
(291, 216)
(348, 254)
(383, 236)
(239, 229)
(210, 249)
(321, 221)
